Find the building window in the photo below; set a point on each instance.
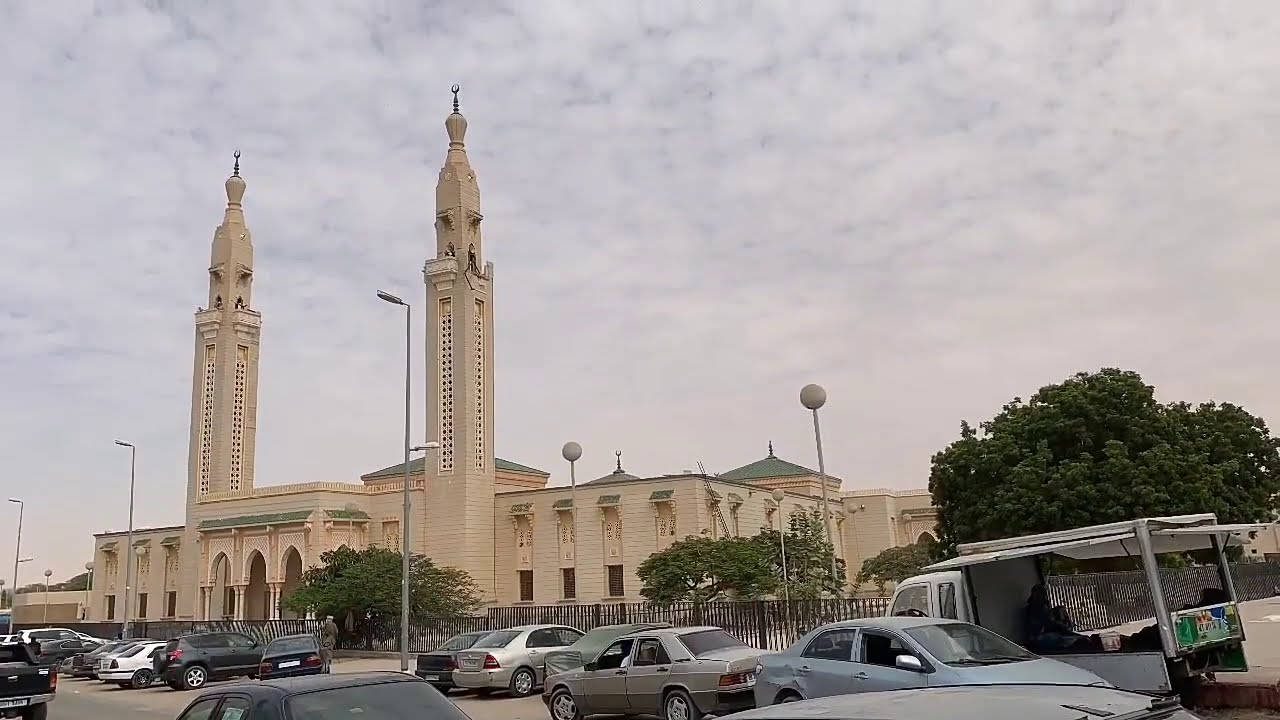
(446, 385)
(237, 416)
(616, 588)
(111, 607)
(391, 534)
(206, 416)
(570, 582)
(171, 604)
(733, 521)
(478, 331)
(142, 605)
(526, 585)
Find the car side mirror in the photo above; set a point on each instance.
(591, 667)
(908, 662)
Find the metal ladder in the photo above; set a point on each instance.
(713, 501)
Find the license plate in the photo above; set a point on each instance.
(470, 663)
(289, 664)
(20, 702)
(430, 677)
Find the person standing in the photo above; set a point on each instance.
(328, 641)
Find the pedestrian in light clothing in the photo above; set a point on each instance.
(328, 641)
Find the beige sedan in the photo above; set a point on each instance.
(675, 673)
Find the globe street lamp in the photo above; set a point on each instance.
(572, 451)
(404, 547)
(813, 397)
(17, 550)
(133, 464)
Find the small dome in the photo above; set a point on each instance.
(235, 189)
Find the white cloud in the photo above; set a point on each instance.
(694, 209)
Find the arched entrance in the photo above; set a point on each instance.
(292, 579)
(257, 601)
(221, 597)
(926, 538)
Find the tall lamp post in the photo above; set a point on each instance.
(571, 452)
(778, 495)
(137, 580)
(404, 519)
(1, 593)
(47, 574)
(813, 397)
(128, 557)
(404, 553)
(88, 587)
(17, 553)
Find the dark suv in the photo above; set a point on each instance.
(190, 661)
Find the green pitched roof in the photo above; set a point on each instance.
(522, 509)
(171, 541)
(347, 514)
(608, 500)
(564, 504)
(247, 520)
(769, 467)
(144, 542)
(661, 494)
(415, 468)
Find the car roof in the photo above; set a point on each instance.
(892, 622)
(974, 702)
(526, 628)
(292, 686)
(677, 631)
(295, 636)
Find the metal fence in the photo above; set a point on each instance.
(1101, 600)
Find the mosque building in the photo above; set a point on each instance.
(243, 547)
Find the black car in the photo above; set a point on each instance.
(367, 696)
(85, 665)
(437, 666)
(291, 656)
(190, 661)
(56, 652)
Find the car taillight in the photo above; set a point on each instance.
(53, 681)
(491, 663)
(264, 668)
(115, 664)
(449, 664)
(175, 656)
(734, 679)
(312, 661)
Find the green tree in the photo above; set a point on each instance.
(808, 558)
(1099, 448)
(364, 586)
(700, 569)
(896, 564)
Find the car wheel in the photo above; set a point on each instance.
(39, 712)
(563, 707)
(787, 697)
(194, 677)
(677, 705)
(522, 682)
(142, 679)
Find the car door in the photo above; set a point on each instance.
(826, 666)
(246, 654)
(912, 600)
(536, 646)
(560, 638)
(876, 665)
(604, 686)
(650, 668)
(215, 651)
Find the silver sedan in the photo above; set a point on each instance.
(675, 673)
(898, 653)
(513, 659)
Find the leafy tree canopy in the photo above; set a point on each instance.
(896, 564)
(1098, 448)
(702, 569)
(364, 586)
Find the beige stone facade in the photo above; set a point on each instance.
(243, 547)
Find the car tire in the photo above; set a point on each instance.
(562, 710)
(194, 677)
(787, 696)
(677, 705)
(142, 679)
(523, 683)
(39, 712)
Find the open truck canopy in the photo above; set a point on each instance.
(1180, 533)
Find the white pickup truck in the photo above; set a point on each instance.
(989, 584)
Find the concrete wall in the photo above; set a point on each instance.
(63, 607)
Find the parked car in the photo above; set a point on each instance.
(57, 652)
(56, 633)
(132, 668)
(85, 665)
(124, 647)
(674, 673)
(437, 666)
(190, 661)
(896, 653)
(589, 646)
(511, 659)
(981, 702)
(26, 686)
(291, 656)
(367, 696)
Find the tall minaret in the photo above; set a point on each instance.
(224, 388)
(459, 339)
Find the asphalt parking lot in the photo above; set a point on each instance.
(92, 700)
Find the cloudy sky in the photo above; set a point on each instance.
(693, 208)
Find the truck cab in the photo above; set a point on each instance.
(989, 584)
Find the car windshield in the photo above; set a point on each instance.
(498, 639)
(704, 641)
(460, 642)
(380, 701)
(287, 645)
(965, 644)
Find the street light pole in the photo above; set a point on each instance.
(571, 452)
(814, 397)
(404, 517)
(17, 553)
(88, 587)
(47, 574)
(128, 552)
